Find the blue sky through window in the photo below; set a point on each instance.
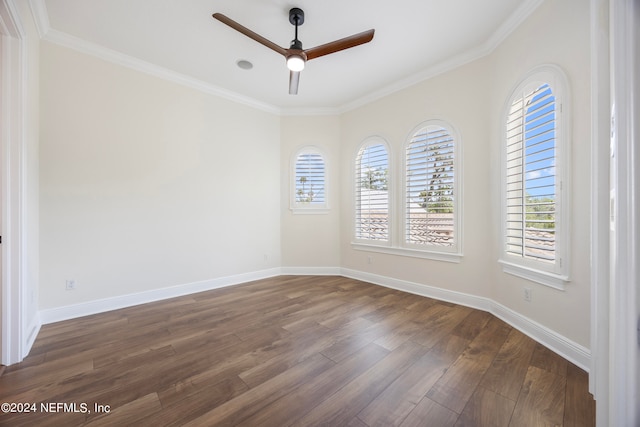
(540, 145)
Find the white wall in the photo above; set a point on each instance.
(146, 184)
(457, 98)
(556, 33)
(472, 98)
(311, 240)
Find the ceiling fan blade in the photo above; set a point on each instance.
(338, 45)
(247, 32)
(294, 80)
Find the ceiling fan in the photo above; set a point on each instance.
(297, 56)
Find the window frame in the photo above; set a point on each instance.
(296, 206)
(369, 243)
(555, 274)
(456, 248)
(394, 245)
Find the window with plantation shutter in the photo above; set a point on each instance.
(534, 183)
(431, 199)
(372, 192)
(309, 186)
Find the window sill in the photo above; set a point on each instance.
(310, 211)
(433, 255)
(556, 281)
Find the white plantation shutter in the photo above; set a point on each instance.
(310, 181)
(372, 193)
(531, 184)
(430, 188)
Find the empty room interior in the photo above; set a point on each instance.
(430, 221)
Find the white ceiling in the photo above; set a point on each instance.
(414, 39)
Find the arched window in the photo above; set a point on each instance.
(535, 175)
(372, 192)
(431, 188)
(309, 189)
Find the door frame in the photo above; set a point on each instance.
(12, 144)
(624, 342)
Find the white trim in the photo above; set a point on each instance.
(16, 342)
(308, 208)
(112, 56)
(414, 253)
(458, 169)
(624, 342)
(570, 350)
(58, 314)
(310, 271)
(558, 273)
(371, 141)
(484, 49)
(487, 47)
(40, 16)
(599, 245)
(533, 274)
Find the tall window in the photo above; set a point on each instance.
(372, 192)
(431, 199)
(534, 171)
(309, 186)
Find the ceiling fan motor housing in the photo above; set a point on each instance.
(296, 16)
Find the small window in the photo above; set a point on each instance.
(372, 192)
(431, 199)
(534, 181)
(310, 185)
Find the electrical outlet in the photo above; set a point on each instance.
(70, 285)
(369, 260)
(527, 294)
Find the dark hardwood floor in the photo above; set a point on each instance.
(294, 351)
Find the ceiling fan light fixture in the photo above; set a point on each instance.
(295, 62)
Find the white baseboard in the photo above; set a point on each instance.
(311, 271)
(58, 314)
(568, 349)
(34, 329)
(573, 352)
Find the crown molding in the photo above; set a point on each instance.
(484, 49)
(109, 55)
(41, 18)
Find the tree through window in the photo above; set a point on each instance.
(430, 215)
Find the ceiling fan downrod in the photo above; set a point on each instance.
(296, 17)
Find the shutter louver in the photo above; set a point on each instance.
(430, 184)
(531, 176)
(310, 179)
(372, 193)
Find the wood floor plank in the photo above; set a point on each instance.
(392, 406)
(580, 408)
(541, 401)
(130, 414)
(296, 350)
(359, 392)
(486, 409)
(188, 400)
(442, 321)
(296, 404)
(546, 359)
(454, 388)
(234, 411)
(430, 413)
(509, 368)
